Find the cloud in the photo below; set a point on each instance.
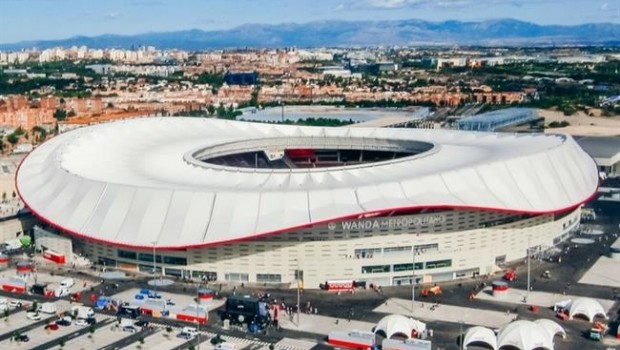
(340, 7)
(112, 15)
(605, 6)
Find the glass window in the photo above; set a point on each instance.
(125, 254)
(407, 267)
(367, 252)
(173, 260)
(376, 269)
(438, 264)
(149, 257)
(268, 278)
(236, 277)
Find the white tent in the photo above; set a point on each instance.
(586, 307)
(551, 327)
(398, 324)
(480, 335)
(524, 335)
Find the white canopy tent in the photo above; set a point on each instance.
(397, 324)
(551, 327)
(586, 307)
(524, 335)
(480, 335)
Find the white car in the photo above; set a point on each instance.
(15, 304)
(33, 316)
(81, 323)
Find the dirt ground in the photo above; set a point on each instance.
(581, 124)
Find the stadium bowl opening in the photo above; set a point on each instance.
(299, 153)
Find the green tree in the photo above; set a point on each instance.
(13, 138)
(60, 115)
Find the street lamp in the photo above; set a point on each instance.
(414, 253)
(298, 291)
(154, 243)
(528, 268)
(198, 316)
(461, 333)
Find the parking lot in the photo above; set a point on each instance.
(180, 300)
(107, 334)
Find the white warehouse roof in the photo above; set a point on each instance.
(138, 182)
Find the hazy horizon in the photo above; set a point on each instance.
(31, 20)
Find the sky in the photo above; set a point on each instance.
(22, 20)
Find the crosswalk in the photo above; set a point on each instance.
(255, 344)
(294, 344)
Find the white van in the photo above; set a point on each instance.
(67, 283)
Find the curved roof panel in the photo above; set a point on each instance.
(134, 183)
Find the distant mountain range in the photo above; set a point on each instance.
(508, 32)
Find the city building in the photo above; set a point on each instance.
(263, 203)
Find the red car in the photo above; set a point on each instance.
(51, 326)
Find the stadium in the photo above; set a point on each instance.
(272, 204)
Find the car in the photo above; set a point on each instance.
(15, 303)
(35, 316)
(188, 333)
(51, 326)
(170, 302)
(23, 338)
(64, 322)
(141, 323)
(81, 323)
(130, 329)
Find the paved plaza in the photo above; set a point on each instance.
(605, 272)
(543, 299)
(425, 312)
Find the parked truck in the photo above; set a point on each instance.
(48, 308)
(82, 312)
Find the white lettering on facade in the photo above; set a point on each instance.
(388, 223)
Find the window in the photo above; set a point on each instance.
(236, 277)
(397, 250)
(149, 257)
(268, 278)
(438, 264)
(367, 252)
(173, 260)
(407, 267)
(127, 254)
(376, 269)
(205, 275)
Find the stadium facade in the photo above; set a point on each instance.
(248, 202)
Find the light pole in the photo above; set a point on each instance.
(528, 269)
(154, 267)
(413, 252)
(198, 316)
(461, 333)
(298, 292)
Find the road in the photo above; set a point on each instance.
(79, 332)
(130, 339)
(29, 327)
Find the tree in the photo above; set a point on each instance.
(4, 196)
(60, 115)
(15, 195)
(211, 109)
(12, 138)
(91, 330)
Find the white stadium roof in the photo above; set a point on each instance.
(137, 182)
